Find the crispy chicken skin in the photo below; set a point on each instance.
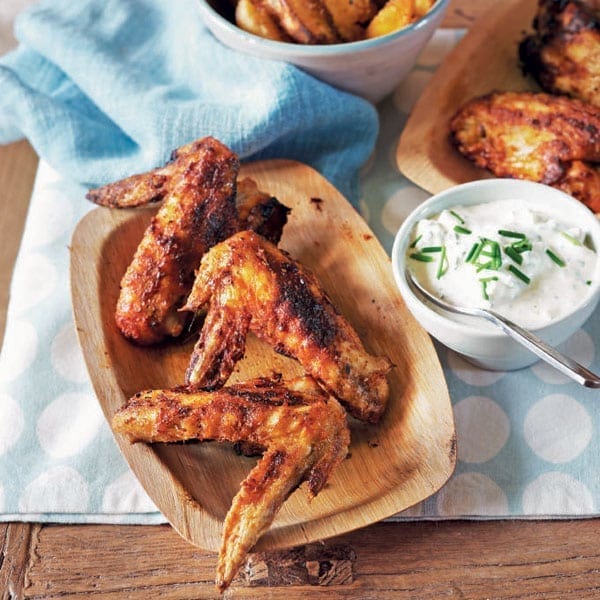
(259, 211)
(203, 204)
(536, 136)
(302, 429)
(198, 211)
(563, 53)
(248, 284)
(152, 186)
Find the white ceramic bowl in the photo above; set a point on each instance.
(478, 341)
(369, 68)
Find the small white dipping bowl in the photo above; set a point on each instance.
(368, 68)
(476, 340)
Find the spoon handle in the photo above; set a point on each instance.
(551, 355)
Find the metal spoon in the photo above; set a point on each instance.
(546, 352)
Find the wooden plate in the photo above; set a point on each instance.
(486, 59)
(392, 466)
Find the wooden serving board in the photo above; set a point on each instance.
(486, 59)
(391, 466)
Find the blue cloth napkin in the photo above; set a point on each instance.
(107, 88)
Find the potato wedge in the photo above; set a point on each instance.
(350, 17)
(305, 21)
(254, 18)
(393, 16)
(422, 7)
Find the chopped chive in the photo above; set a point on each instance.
(488, 248)
(522, 246)
(557, 259)
(484, 290)
(519, 274)
(443, 264)
(512, 234)
(484, 281)
(421, 257)
(513, 254)
(463, 230)
(474, 252)
(431, 249)
(588, 282)
(569, 237)
(416, 241)
(457, 217)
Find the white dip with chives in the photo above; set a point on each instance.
(502, 255)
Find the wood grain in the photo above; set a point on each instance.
(392, 466)
(483, 61)
(545, 560)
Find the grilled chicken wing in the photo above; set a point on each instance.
(198, 211)
(248, 284)
(201, 207)
(563, 53)
(257, 210)
(152, 186)
(549, 139)
(302, 429)
(306, 22)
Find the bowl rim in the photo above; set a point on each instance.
(432, 206)
(309, 50)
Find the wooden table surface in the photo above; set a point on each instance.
(443, 559)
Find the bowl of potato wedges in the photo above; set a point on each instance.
(365, 47)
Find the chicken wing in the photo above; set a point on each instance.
(303, 432)
(198, 211)
(563, 53)
(152, 186)
(248, 284)
(257, 210)
(305, 22)
(202, 205)
(533, 136)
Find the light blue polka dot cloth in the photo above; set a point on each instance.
(528, 441)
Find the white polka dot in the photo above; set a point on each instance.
(46, 176)
(52, 217)
(471, 494)
(60, 489)
(470, 373)
(482, 429)
(369, 164)
(20, 349)
(125, 494)
(579, 347)
(12, 422)
(66, 355)
(33, 281)
(558, 428)
(410, 90)
(436, 50)
(555, 493)
(400, 205)
(364, 210)
(69, 424)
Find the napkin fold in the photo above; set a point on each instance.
(107, 88)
